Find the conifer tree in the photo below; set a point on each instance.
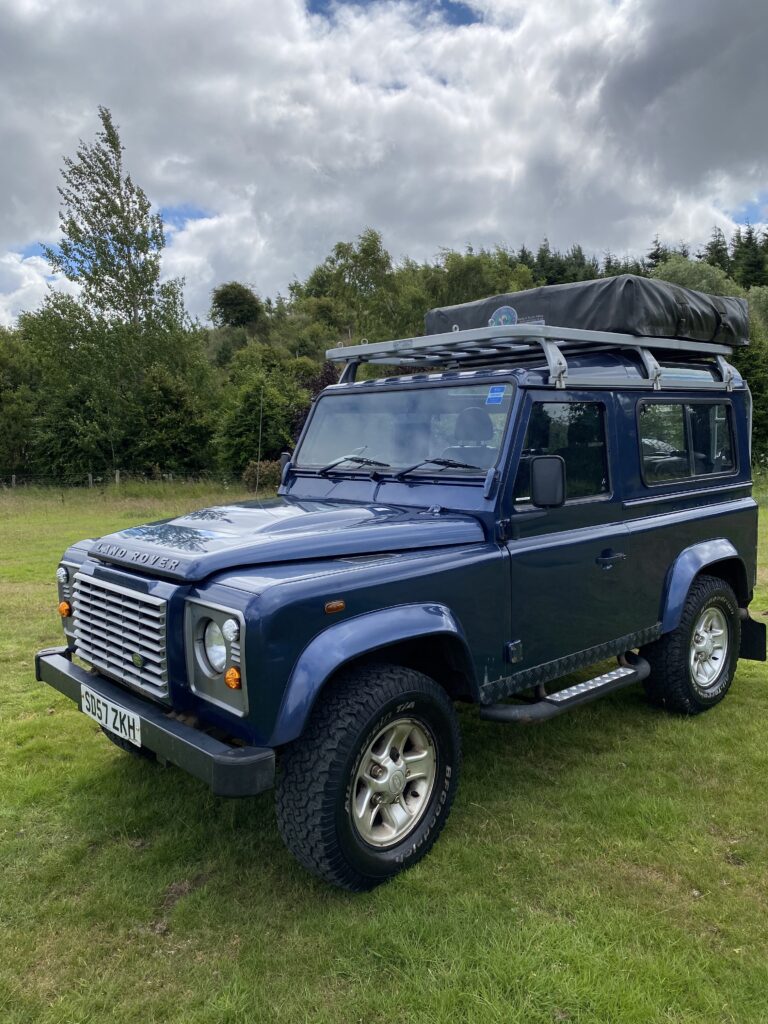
(748, 258)
(658, 253)
(715, 252)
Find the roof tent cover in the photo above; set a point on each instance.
(627, 304)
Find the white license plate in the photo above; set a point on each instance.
(119, 721)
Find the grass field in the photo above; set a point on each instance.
(608, 866)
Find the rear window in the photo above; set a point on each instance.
(684, 440)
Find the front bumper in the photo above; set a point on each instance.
(229, 771)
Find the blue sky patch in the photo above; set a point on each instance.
(176, 217)
(454, 12)
(755, 211)
(32, 249)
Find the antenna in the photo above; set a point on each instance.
(261, 422)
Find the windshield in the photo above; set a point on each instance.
(394, 429)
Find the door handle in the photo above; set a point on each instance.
(610, 558)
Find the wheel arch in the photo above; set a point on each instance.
(715, 558)
(426, 637)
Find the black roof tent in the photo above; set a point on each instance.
(624, 305)
(494, 332)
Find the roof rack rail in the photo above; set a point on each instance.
(520, 344)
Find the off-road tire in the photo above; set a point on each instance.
(317, 773)
(671, 684)
(130, 748)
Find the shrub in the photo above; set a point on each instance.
(268, 472)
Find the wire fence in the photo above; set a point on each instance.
(16, 481)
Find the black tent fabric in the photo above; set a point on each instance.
(627, 304)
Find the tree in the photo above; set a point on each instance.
(358, 279)
(18, 380)
(701, 276)
(658, 253)
(578, 266)
(111, 242)
(752, 360)
(265, 403)
(123, 369)
(550, 265)
(749, 266)
(236, 305)
(715, 252)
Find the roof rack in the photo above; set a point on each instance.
(520, 344)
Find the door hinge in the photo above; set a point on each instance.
(513, 651)
(504, 529)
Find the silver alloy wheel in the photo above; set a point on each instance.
(708, 654)
(393, 783)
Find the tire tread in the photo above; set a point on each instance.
(311, 768)
(668, 685)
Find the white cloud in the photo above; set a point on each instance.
(584, 120)
(24, 281)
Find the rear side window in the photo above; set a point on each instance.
(576, 432)
(680, 440)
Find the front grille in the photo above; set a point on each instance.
(122, 634)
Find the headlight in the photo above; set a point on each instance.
(62, 575)
(215, 646)
(215, 637)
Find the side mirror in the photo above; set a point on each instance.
(285, 461)
(547, 481)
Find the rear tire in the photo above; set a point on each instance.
(365, 791)
(692, 667)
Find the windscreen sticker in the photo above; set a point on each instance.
(496, 394)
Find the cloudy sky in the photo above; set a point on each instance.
(266, 130)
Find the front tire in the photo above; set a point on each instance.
(692, 667)
(364, 793)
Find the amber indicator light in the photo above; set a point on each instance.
(232, 678)
(331, 607)
(65, 609)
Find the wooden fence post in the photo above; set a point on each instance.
(117, 477)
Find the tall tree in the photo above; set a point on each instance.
(749, 266)
(715, 252)
(120, 364)
(111, 241)
(658, 253)
(549, 267)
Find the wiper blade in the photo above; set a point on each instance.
(359, 460)
(443, 463)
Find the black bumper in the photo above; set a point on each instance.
(229, 771)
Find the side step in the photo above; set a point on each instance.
(580, 693)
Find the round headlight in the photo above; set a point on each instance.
(215, 646)
(62, 575)
(231, 630)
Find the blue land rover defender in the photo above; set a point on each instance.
(549, 480)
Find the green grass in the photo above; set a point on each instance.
(608, 866)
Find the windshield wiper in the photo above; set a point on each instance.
(443, 463)
(359, 460)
